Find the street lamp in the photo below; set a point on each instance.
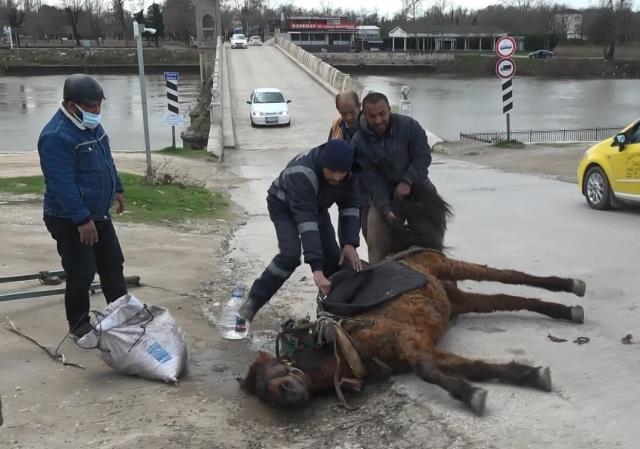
(138, 29)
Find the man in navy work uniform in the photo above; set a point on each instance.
(81, 184)
(394, 154)
(298, 203)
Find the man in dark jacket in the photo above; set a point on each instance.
(81, 184)
(298, 202)
(394, 155)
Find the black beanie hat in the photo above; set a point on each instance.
(336, 155)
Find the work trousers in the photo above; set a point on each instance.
(288, 257)
(80, 263)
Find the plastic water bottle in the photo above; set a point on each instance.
(232, 327)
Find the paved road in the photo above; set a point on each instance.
(507, 220)
(311, 106)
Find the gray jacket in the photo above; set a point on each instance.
(402, 154)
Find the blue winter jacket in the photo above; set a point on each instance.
(79, 173)
(303, 188)
(401, 154)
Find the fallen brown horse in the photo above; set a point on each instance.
(403, 336)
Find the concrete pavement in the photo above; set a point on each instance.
(506, 220)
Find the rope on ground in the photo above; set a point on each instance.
(56, 356)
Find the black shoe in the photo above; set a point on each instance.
(81, 330)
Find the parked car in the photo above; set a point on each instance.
(255, 40)
(238, 41)
(541, 54)
(609, 172)
(268, 107)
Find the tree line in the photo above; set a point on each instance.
(540, 21)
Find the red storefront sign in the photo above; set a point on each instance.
(320, 26)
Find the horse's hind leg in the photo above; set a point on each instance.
(468, 302)
(457, 387)
(481, 371)
(456, 270)
(451, 373)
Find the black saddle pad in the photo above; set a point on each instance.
(355, 292)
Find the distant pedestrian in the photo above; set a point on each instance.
(298, 202)
(81, 184)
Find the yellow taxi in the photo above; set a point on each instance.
(609, 172)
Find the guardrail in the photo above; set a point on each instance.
(215, 143)
(336, 81)
(544, 136)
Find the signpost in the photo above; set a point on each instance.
(172, 116)
(8, 35)
(506, 70)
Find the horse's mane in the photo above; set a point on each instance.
(429, 213)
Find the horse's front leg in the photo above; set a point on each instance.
(447, 269)
(468, 302)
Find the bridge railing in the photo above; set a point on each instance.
(543, 136)
(335, 78)
(215, 142)
(336, 81)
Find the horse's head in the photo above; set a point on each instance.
(276, 383)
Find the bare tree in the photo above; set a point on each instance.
(95, 11)
(73, 8)
(119, 13)
(179, 19)
(326, 7)
(412, 8)
(16, 12)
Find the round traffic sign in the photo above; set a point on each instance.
(506, 46)
(506, 68)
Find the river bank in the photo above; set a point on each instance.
(466, 65)
(49, 61)
(44, 61)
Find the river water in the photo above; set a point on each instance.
(444, 105)
(447, 106)
(27, 104)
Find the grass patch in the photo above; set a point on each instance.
(181, 152)
(23, 184)
(145, 203)
(509, 144)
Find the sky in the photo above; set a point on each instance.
(390, 7)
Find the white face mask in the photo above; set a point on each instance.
(89, 119)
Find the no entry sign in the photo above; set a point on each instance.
(506, 46)
(506, 68)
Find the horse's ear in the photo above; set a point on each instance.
(248, 384)
(264, 356)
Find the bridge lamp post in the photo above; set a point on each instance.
(138, 30)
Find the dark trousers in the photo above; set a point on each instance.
(288, 257)
(80, 263)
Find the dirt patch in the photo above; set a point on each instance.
(559, 161)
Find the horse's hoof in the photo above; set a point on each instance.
(577, 314)
(543, 379)
(579, 287)
(477, 401)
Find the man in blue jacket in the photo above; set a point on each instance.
(298, 202)
(395, 156)
(81, 184)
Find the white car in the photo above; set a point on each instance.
(239, 41)
(255, 40)
(268, 107)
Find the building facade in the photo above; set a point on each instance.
(423, 37)
(316, 33)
